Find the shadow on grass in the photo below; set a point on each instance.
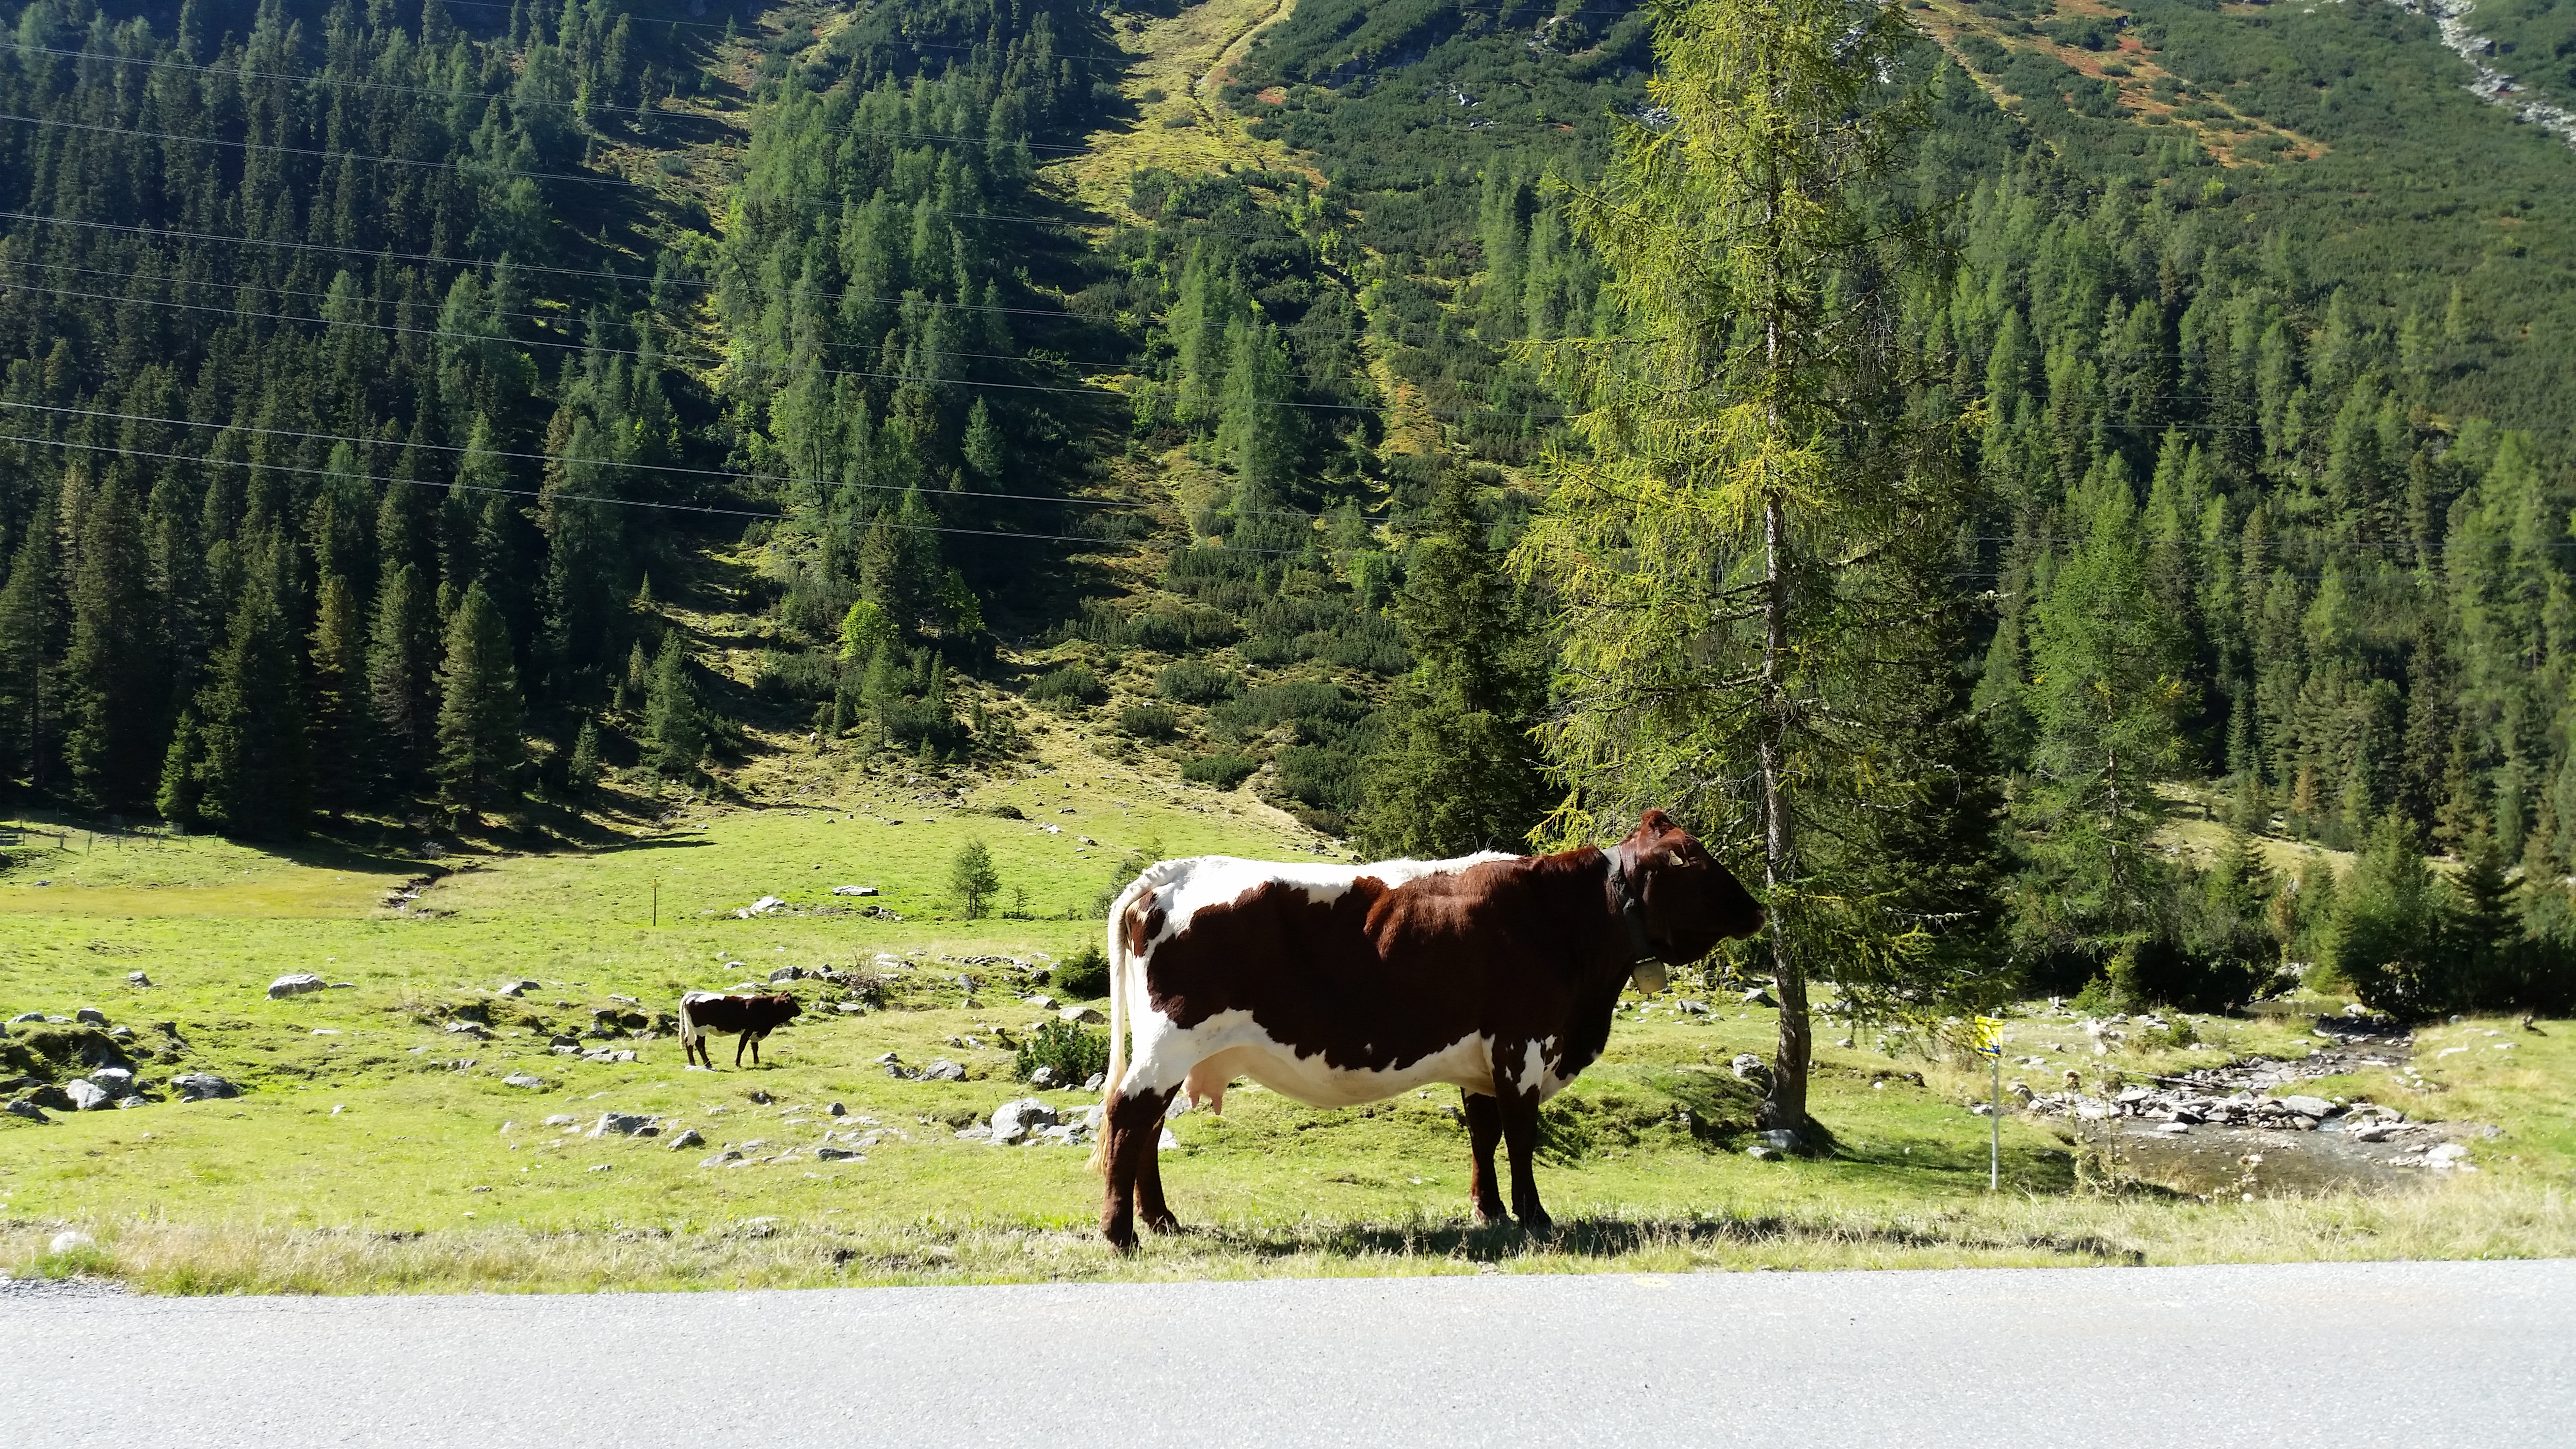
(1616, 1237)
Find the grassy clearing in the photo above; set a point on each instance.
(376, 1150)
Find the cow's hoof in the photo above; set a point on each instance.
(1163, 1223)
(1537, 1223)
(1492, 1217)
(1124, 1240)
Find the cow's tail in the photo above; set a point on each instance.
(1121, 962)
(688, 1025)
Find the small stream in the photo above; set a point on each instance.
(2493, 86)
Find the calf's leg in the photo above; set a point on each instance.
(1484, 1130)
(1131, 1128)
(1519, 1112)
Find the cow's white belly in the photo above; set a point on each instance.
(1466, 1063)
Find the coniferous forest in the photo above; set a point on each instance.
(394, 391)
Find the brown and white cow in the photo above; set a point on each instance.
(1337, 985)
(750, 1018)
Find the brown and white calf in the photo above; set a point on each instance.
(750, 1018)
(1337, 985)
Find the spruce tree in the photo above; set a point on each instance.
(1746, 554)
(344, 734)
(402, 638)
(30, 644)
(674, 732)
(114, 697)
(1456, 769)
(581, 772)
(255, 776)
(480, 710)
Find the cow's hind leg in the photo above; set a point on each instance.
(1484, 1132)
(1519, 1111)
(1149, 1184)
(1132, 1128)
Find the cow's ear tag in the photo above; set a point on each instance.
(1649, 977)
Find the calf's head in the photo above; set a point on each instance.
(1691, 902)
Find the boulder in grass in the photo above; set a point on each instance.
(625, 1124)
(87, 1096)
(523, 1079)
(27, 1109)
(90, 1016)
(295, 985)
(2309, 1106)
(1081, 1015)
(202, 1087)
(118, 1081)
(1015, 1120)
(518, 988)
(941, 1069)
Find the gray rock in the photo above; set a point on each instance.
(854, 890)
(1758, 997)
(1167, 1142)
(623, 1124)
(837, 1110)
(1015, 1120)
(202, 1087)
(1081, 1015)
(1760, 1153)
(1747, 1067)
(52, 1098)
(1042, 1077)
(137, 978)
(90, 1015)
(977, 1133)
(522, 1079)
(29, 1110)
(1095, 1081)
(720, 1159)
(131, 1101)
(119, 1081)
(1782, 1139)
(87, 1096)
(688, 1138)
(26, 1016)
(562, 1119)
(786, 973)
(941, 1069)
(1688, 1007)
(295, 985)
(72, 1240)
(518, 988)
(834, 1154)
(2309, 1106)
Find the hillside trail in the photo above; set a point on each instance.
(1180, 124)
(2495, 87)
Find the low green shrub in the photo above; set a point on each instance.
(1223, 771)
(1189, 681)
(1073, 685)
(1150, 721)
(1084, 974)
(1075, 1054)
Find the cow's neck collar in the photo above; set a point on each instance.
(1632, 912)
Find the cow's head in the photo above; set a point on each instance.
(777, 1009)
(1691, 902)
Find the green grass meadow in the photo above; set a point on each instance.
(374, 1150)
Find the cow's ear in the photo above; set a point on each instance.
(1654, 819)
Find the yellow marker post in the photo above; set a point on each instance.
(1990, 1042)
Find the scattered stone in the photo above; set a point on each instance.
(2447, 1156)
(941, 1069)
(854, 890)
(90, 1016)
(562, 1119)
(129, 1102)
(1095, 1081)
(202, 1087)
(1082, 1015)
(786, 973)
(1749, 1067)
(603, 1167)
(836, 1110)
(766, 905)
(518, 988)
(2317, 1107)
(1758, 997)
(1042, 1077)
(137, 978)
(26, 1016)
(1759, 1152)
(887, 1060)
(689, 1137)
(720, 1159)
(980, 1132)
(1015, 1120)
(835, 1154)
(624, 1124)
(294, 985)
(27, 1109)
(760, 1097)
(522, 1079)
(118, 1081)
(72, 1240)
(1782, 1139)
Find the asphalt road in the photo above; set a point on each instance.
(2413, 1354)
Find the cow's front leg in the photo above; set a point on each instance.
(1149, 1185)
(1132, 1127)
(1484, 1131)
(1519, 1111)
